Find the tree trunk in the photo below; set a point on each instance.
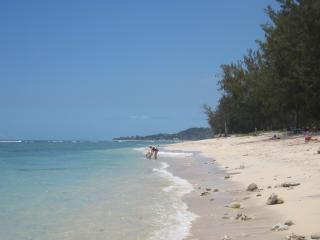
(225, 128)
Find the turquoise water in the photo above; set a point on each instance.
(88, 190)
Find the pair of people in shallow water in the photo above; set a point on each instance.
(153, 151)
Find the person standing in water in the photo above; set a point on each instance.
(149, 152)
(155, 151)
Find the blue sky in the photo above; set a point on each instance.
(100, 69)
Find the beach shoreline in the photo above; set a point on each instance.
(230, 165)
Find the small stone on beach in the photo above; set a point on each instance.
(274, 199)
(204, 193)
(288, 223)
(289, 184)
(259, 195)
(293, 236)
(235, 205)
(216, 190)
(280, 227)
(227, 176)
(242, 217)
(252, 187)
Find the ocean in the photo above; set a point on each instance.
(89, 191)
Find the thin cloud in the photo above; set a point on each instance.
(139, 117)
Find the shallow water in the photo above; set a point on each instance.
(88, 190)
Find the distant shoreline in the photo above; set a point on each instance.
(188, 134)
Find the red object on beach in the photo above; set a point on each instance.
(307, 138)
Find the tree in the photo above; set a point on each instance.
(277, 86)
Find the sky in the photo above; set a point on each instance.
(100, 69)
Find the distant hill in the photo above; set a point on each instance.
(188, 134)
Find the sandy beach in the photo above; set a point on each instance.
(221, 171)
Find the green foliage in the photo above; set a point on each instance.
(277, 86)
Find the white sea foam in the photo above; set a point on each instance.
(167, 154)
(175, 154)
(176, 224)
(10, 141)
(141, 149)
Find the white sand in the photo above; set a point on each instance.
(268, 163)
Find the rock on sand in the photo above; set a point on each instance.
(280, 227)
(252, 187)
(204, 193)
(234, 205)
(289, 184)
(242, 217)
(274, 199)
(293, 236)
(288, 223)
